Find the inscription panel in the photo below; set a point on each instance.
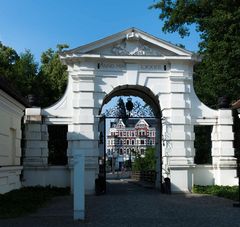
(155, 67)
(111, 66)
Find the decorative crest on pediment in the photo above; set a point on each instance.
(133, 36)
(139, 50)
(131, 46)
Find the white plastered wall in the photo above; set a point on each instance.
(11, 112)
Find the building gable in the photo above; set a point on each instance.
(131, 42)
(141, 124)
(120, 124)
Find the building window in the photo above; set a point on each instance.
(132, 142)
(150, 142)
(142, 142)
(127, 142)
(142, 151)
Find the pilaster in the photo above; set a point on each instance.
(36, 139)
(179, 135)
(224, 162)
(83, 132)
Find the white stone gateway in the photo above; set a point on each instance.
(131, 62)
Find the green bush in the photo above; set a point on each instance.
(27, 200)
(145, 163)
(221, 191)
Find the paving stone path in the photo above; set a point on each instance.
(127, 204)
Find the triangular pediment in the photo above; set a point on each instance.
(141, 124)
(127, 47)
(120, 124)
(131, 42)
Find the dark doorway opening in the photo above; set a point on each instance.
(57, 144)
(203, 144)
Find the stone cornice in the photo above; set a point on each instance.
(71, 58)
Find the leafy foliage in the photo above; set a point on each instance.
(25, 73)
(219, 27)
(145, 163)
(221, 191)
(52, 77)
(27, 200)
(47, 84)
(21, 69)
(8, 58)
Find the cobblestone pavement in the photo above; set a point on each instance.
(127, 204)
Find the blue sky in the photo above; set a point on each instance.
(41, 24)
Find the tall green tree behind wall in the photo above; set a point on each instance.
(52, 77)
(20, 70)
(25, 73)
(8, 58)
(47, 83)
(218, 22)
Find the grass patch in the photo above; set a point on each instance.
(221, 191)
(27, 200)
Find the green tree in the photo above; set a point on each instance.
(25, 73)
(218, 22)
(47, 85)
(8, 58)
(148, 162)
(20, 70)
(52, 77)
(122, 113)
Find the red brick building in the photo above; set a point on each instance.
(125, 140)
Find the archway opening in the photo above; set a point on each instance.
(137, 91)
(130, 132)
